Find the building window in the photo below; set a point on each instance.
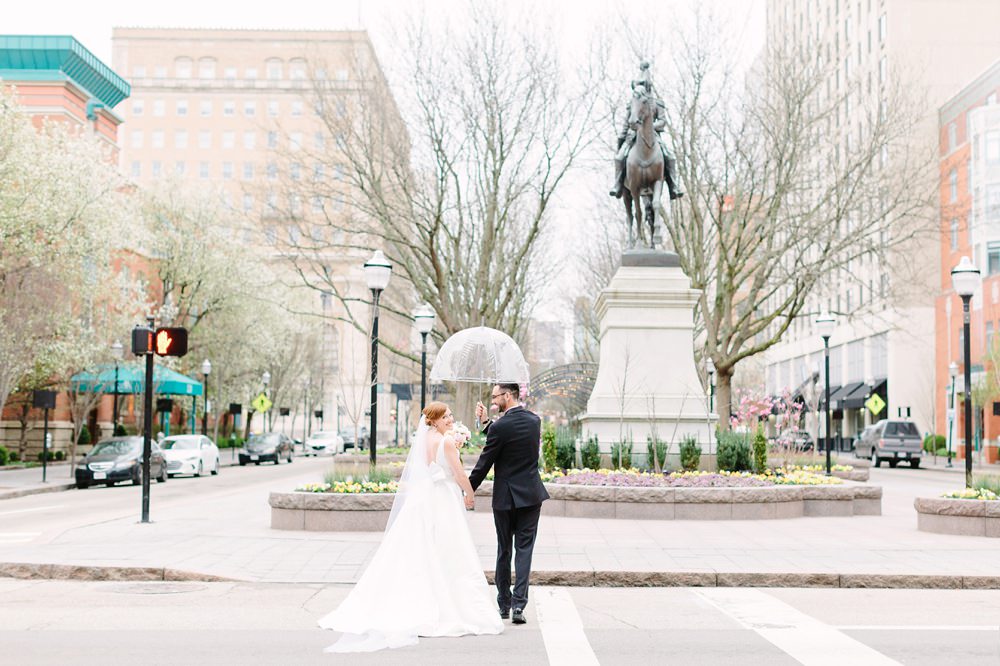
(272, 108)
(295, 204)
(991, 99)
(881, 28)
(138, 72)
(953, 186)
(249, 140)
(251, 74)
(319, 140)
(952, 136)
(989, 336)
(272, 139)
(954, 234)
(272, 202)
(180, 168)
(296, 109)
(295, 171)
(229, 108)
(137, 107)
(318, 172)
(273, 69)
(295, 140)
(317, 206)
(230, 74)
(272, 171)
(136, 169)
(181, 139)
(156, 139)
(993, 258)
(205, 139)
(206, 68)
(883, 70)
(182, 108)
(992, 202)
(229, 139)
(137, 138)
(203, 170)
(157, 168)
(248, 171)
(227, 170)
(991, 144)
(247, 202)
(159, 108)
(342, 75)
(338, 172)
(249, 109)
(205, 108)
(182, 68)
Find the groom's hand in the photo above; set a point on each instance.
(470, 502)
(481, 412)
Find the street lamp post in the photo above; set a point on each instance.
(710, 368)
(965, 279)
(265, 379)
(825, 324)
(117, 352)
(953, 373)
(206, 370)
(378, 270)
(423, 318)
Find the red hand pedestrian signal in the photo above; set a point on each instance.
(171, 341)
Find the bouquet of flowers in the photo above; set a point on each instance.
(460, 433)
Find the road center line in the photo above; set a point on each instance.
(801, 636)
(918, 627)
(38, 508)
(562, 630)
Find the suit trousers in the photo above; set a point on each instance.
(517, 528)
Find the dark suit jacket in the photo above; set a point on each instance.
(512, 451)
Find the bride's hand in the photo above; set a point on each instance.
(470, 502)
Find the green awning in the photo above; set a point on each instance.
(132, 379)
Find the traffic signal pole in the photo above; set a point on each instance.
(147, 431)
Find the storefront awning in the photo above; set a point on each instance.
(856, 399)
(822, 393)
(837, 399)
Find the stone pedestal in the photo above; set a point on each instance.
(646, 379)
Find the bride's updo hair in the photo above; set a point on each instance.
(434, 411)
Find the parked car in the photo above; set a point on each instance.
(190, 454)
(264, 447)
(349, 440)
(324, 441)
(119, 459)
(890, 441)
(801, 440)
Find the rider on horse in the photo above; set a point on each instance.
(627, 135)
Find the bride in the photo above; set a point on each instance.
(425, 578)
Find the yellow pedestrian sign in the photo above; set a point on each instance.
(875, 404)
(261, 403)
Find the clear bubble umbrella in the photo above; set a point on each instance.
(482, 355)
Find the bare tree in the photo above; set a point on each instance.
(784, 205)
(456, 183)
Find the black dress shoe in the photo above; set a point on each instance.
(504, 613)
(518, 616)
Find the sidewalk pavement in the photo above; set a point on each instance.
(230, 538)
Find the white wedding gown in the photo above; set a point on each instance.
(425, 578)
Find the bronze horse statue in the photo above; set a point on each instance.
(643, 168)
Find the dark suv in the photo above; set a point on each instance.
(266, 447)
(890, 441)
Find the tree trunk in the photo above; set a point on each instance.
(22, 443)
(723, 397)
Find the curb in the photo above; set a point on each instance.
(37, 490)
(28, 571)
(25, 571)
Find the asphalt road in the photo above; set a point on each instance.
(53, 622)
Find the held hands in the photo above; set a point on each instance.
(470, 502)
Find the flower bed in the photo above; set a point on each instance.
(971, 494)
(634, 478)
(968, 512)
(349, 487)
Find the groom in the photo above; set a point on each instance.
(512, 444)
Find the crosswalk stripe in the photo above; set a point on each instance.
(37, 508)
(17, 537)
(801, 636)
(562, 629)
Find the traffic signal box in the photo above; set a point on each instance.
(162, 341)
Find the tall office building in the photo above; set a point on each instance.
(884, 343)
(228, 111)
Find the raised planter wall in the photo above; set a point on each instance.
(958, 516)
(370, 512)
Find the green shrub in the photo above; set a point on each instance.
(987, 482)
(46, 456)
(120, 431)
(14, 457)
(621, 454)
(934, 442)
(942, 453)
(733, 452)
(565, 448)
(4, 455)
(377, 474)
(590, 454)
(759, 452)
(656, 454)
(84, 438)
(690, 453)
(60, 455)
(549, 454)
